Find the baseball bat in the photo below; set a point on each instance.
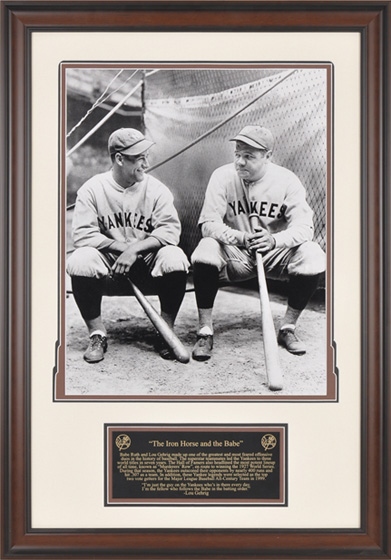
(179, 351)
(272, 360)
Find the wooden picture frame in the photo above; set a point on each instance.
(19, 22)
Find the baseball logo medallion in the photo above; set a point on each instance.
(268, 441)
(123, 441)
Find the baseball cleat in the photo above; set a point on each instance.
(96, 349)
(289, 340)
(203, 347)
(162, 349)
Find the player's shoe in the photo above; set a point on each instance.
(289, 340)
(203, 347)
(162, 349)
(96, 349)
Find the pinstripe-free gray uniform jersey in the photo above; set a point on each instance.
(278, 198)
(106, 212)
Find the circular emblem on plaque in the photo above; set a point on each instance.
(123, 441)
(268, 441)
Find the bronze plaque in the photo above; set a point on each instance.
(196, 464)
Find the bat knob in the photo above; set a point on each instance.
(255, 220)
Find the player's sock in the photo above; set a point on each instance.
(171, 290)
(206, 284)
(88, 296)
(205, 330)
(301, 289)
(101, 332)
(290, 319)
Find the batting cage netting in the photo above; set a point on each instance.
(181, 105)
(292, 105)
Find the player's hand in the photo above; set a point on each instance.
(228, 237)
(261, 241)
(125, 261)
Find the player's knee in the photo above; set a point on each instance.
(86, 261)
(207, 252)
(309, 260)
(170, 259)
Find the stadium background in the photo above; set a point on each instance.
(175, 106)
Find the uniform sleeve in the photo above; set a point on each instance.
(298, 217)
(166, 226)
(213, 212)
(223, 233)
(85, 227)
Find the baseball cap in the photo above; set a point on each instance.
(256, 136)
(128, 141)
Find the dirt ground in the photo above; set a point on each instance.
(131, 367)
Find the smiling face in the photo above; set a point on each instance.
(250, 163)
(128, 170)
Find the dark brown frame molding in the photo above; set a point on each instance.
(19, 19)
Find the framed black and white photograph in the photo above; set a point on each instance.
(195, 284)
(190, 115)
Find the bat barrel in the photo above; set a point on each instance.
(172, 341)
(272, 360)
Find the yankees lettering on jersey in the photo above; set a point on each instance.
(126, 219)
(264, 208)
(106, 212)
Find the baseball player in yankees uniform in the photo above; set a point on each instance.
(254, 184)
(125, 223)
